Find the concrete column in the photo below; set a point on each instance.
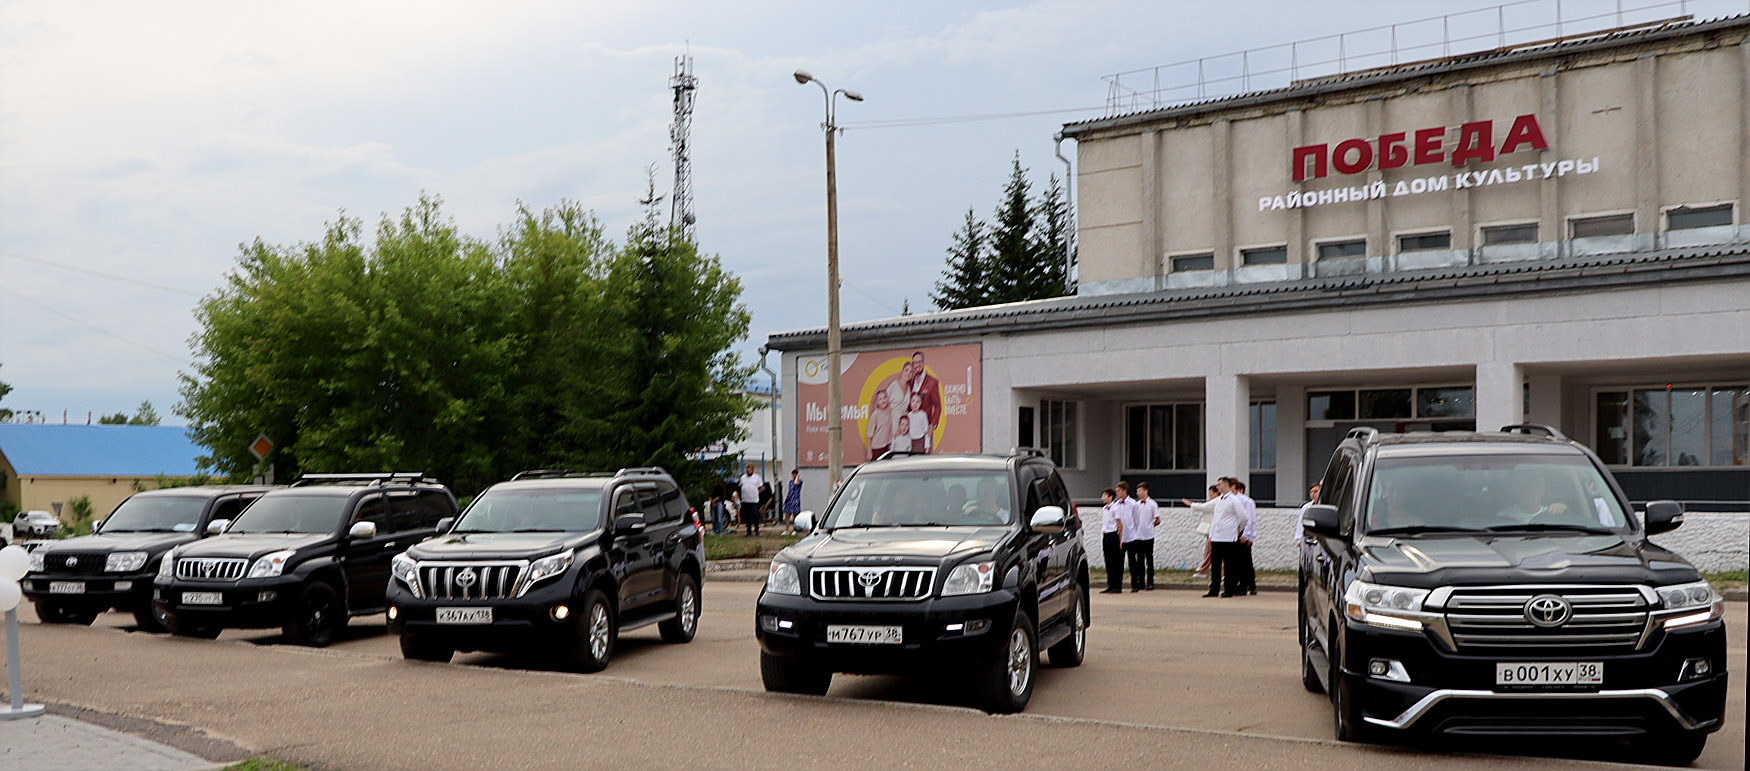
(1290, 442)
(1150, 264)
(1459, 102)
(1500, 395)
(1550, 226)
(1295, 122)
(1546, 401)
(1743, 130)
(1225, 424)
(1222, 190)
(1378, 230)
(1646, 148)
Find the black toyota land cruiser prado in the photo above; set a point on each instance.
(931, 564)
(72, 581)
(306, 558)
(1497, 584)
(557, 564)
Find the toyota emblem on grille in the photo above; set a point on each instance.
(869, 578)
(207, 568)
(465, 578)
(71, 561)
(1548, 610)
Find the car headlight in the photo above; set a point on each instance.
(1699, 597)
(782, 578)
(124, 561)
(270, 565)
(406, 571)
(167, 567)
(548, 567)
(1392, 607)
(36, 560)
(970, 578)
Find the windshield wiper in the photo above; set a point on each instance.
(535, 530)
(861, 525)
(1537, 526)
(1414, 529)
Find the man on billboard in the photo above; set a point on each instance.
(927, 386)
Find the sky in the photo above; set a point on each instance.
(142, 143)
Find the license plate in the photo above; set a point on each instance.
(464, 615)
(66, 587)
(1562, 673)
(865, 635)
(203, 598)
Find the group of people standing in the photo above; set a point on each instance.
(752, 500)
(1230, 524)
(1127, 527)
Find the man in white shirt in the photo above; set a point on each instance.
(1148, 514)
(1131, 529)
(1312, 499)
(1248, 578)
(1225, 530)
(1112, 540)
(750, 500)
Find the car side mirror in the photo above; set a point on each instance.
(96, 526)
(804, 522)
(630, 524)
(1321, 520)
(362, 530)
(444, 525)
(1047, 520)
(218, 526)
(1663, 516)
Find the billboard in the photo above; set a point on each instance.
(922, 399)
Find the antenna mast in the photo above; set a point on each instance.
(680, 144)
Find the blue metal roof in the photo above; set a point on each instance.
(42, 449)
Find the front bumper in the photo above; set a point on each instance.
(123, 591)
(248, 603)
(517, 623)
(792, 625)
(1643, 692)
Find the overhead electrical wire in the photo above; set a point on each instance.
(101, 274)
(90, 326)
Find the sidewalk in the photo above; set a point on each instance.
(56, 742)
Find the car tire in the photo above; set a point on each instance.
(1005, 683)
(149, 619)
(1345, 716)
(685, 624)
(1309, 677)
(790, 674)
(53, 613)
(416, 647)
(317, 616)
(177, 627)
(1074, 648)
(597, 633)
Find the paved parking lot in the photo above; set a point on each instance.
(1170, 679)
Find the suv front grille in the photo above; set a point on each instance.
(899, 583)
(1602, 618)
(210, 568)
(470, 580)
(74, 562)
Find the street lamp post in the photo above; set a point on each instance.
(834, 421)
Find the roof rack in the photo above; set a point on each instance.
(1031, 452)
(368, 479)
(553, 473)
(1364, 433)
(1534, 428)
(901, 454)
(640, 470)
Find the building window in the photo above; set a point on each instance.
(1385, 404)
(1452, 402)
(1190, 262)
(1667, 426)
(1423, 242)
(1498, 235)
(1607, 225)
(1330, 405)
(1424, 402)
(1263, 436)
(1163, 437)
(1058, 436)
(1686, 217)
(1024, 424)
(1338, 249)
(1269, 255)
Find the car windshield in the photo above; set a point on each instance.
(291, 514)
(155, 514)
(530, 511)
(1491, 493)
(922, 498)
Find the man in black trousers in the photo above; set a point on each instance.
(1112, 540)
(1248, 508)
(1224, 540)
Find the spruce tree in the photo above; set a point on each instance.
(1051, 253)
(965, 282)
(1011, 262)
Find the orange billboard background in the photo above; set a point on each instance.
(883, 400)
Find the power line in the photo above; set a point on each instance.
(939, 120)
(92, 327)
(101, 274)
(869, 297)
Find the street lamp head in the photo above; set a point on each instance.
(803, 77)
(853, 96)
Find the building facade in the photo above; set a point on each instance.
(1552, 234)
(45, 466)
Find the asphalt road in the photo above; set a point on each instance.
(1171, 679)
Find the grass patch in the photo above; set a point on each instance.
(726, 547)
(1731, 579)
(263, 763)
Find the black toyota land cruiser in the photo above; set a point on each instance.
(72, 581)
(940, 564)
(305, 558)
(1498, 584)
(554, 562)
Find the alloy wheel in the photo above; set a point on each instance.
(598, 631)
(1020, 662)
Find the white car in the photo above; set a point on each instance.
(36, 523)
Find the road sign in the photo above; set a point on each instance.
(261, 447)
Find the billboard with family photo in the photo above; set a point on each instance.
(918, 399)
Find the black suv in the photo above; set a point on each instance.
(951, 563)
(554, 562)
(1498, 584)
(305, 558)
(73, 580)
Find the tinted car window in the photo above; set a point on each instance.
(155, 515)
(1483, 491)
(291, 514)
(626, 502)
(900, 499)
(229, 508)
(670, 501)
(433, 506)
(375, 510)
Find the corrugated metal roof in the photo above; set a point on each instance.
(1410, 70)
(1403, 286)
(38, 449)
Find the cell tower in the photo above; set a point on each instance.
(680, 143)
